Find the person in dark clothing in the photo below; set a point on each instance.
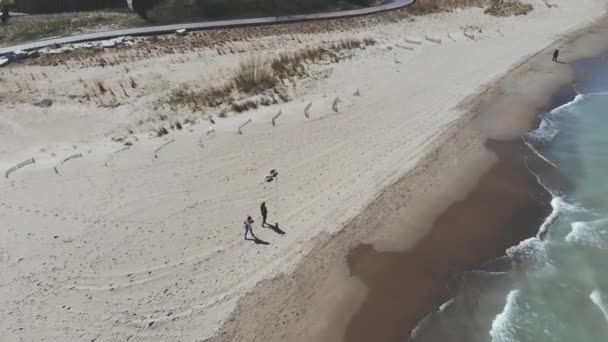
(555, 55)
(5, 14)
(264, 214)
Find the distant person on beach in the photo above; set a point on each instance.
(264, 214)
(5, 5)
(4, 14)
(555, 55)
(248, 227)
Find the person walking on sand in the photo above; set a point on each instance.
(555, 55)
(248, 227)
(264, 212)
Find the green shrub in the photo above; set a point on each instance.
(506, 8)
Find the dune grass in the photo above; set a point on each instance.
(506, 8)
(259, 76)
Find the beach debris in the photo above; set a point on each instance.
(56, 51)
(404, 47)
(83, 46)
(243, 125)
(434, 40)
(412, 41)
(111, 156)
(307, 110)
(18, 166)
(272, 175)
(468, 35)
(549, 5)
(275, 117)
(357, 93)
(181, 32)
(73, 156)
(450, 36)
(334, 105)
(60, 49)
(210, 130)
(162, 131)
(4, 62)
(397, 61)
(161, 147)
(46, 103)
(108, 44)
(20, 54)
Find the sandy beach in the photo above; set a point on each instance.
(121, 245)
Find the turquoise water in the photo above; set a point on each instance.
(562, 295)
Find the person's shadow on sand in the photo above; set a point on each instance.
(258, 241)
(275, 228)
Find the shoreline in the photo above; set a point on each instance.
(482, 114)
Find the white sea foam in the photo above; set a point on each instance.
(503, 329)
(596, 94)
(548, 127)
(593, 234)
(533, 148)
(555, 204)
(578, 98)
(596, 298)
(416, 331)
(559, 207)
(445, 305)
(531, 251)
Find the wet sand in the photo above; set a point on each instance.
(507, 206)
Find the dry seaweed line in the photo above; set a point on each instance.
(18, 166)
(549, 5)
(412, 41)
(434, 40)
(77, 155)
(404, 47)
(161, 146)
(111, 157)
(307, 110)
(243, 125)
(274, 118)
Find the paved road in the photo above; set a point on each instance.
(155, 30)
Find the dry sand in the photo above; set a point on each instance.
(151, 249)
